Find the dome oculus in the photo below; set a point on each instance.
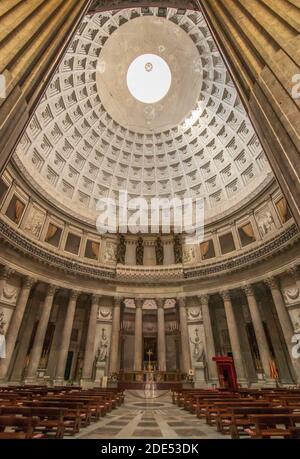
(149, 78)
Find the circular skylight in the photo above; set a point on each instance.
(149, 78)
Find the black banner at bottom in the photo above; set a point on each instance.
(90, 449)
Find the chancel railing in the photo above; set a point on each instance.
(155, 376)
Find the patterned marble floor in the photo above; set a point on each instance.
(149, 419)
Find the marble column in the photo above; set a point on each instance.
(259, 331)
(5, 273)
(115, 336)
(285, 323)
(66, 337)
(209, 339)
(138, 335)
(37, 347)
(234, 337)
(90, 340)
(25, 332)
(184, 336)
(14, 325)
(161, 335)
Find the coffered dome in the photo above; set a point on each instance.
(90, 137)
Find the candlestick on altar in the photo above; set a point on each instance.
(149, 353)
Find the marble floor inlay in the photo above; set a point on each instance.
(149, 419)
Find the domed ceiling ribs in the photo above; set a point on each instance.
(75, 150)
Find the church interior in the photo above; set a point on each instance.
(149, 334)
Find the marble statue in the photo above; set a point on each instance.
(103, 347)
(121, 251)
(177, 249)
(159, 252)
(140, 252)
(198, 351)
(2, 337)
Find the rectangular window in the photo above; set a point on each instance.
(15, 209)
(3, 190)
(207, 250)
(72, 243)
(246, 234)
(283, 210)
(92, 250)
(227, 243)
(53, 235)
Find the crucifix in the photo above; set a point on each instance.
(149, 353)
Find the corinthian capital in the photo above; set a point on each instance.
(28, 282)
(294, 272)
(248, 289)
(138, 303)
(226, 295)
(117, 301)
(272, 283)
(51, 289)
(204, 299)
(160, 302)
(95, 298)
(181, 302)
(74, 294)
(5, 272)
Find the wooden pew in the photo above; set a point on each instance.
(74, 417)
(23, 427)
(238, 420)
(270, 426)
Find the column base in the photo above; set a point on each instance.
(59, 382)
(242, 382)
(30, 381)
(88, 383)
(268, 383)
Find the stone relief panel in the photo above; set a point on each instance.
(189, 254)
(290, 290)
(265, 222)
(35, 221)
(109, 252)
(104, 314)
(10, 294)
(194, 313)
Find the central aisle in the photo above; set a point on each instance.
(157, 418)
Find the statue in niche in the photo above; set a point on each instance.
(102, 353)
(140, 252)
(2, 337)
(177, 249)
(121, 251)
(198, 351)
(159, 252)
